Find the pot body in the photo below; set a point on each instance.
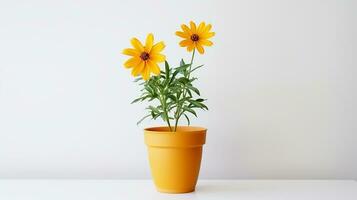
(175, 157)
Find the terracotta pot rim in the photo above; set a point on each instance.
(180, 129)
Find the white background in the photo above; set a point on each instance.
(280, 82)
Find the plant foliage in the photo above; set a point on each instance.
(174, 92)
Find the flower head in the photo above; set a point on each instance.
(195, 37)
(144, 58)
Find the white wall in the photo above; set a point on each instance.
(280, 82)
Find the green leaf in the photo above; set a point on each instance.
(194, 89)
(174, 75)
(142, 119)
(196, 68)
(197, 104)
(172, 97)
(189, 93)
(182, 62)
(136, 100)
(142, 98)
(167, 70)
(148, 89)
(190, 110)
(182, 68)
(153, 109)
(184, 99)
(183, 80)
(138, 79)
(154, 115)
(188, 119)
(193, 79)
(164, 116)
(179, 94)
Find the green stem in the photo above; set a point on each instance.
(193, 56)
(184, 93)
(176, 122)
(168, 122)
(163, 103)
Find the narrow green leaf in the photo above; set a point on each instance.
(174, 75)
(136, 100)
(197, 104)
(193, 79)
(183, 80)
(142, 119)
(182, 62)
(190, 110)
(194, 89)
(155, 116)
(164, 116)
(179, 94)
(173, 97)
(188, 119)
(204, 106)
(138, 79)
(182, 67)
(189, 93)
(155, 110)
(167, 70)
(196, 68)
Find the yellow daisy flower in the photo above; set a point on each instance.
(195, 37)
(144, 58)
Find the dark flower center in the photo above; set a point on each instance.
(144, 56)
(195, 37)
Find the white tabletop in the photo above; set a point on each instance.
(206, 189)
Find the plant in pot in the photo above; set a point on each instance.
(174, 151)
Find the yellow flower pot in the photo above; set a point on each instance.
(175, 157)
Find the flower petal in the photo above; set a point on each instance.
(208, 35)
(186, 29)
(193, 27)
(182, 34)
(158, 57)
(138, 69)
(207, 28)
(131, 52)
(200, 49)
(190, 48)
(185, 43)
(146, 73)
(149, 42)
(154, 67)
(137, 44)
(205, 42)
(201, 27)
(132, 62)
(158, 47)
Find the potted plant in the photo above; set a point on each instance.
(174, 151)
